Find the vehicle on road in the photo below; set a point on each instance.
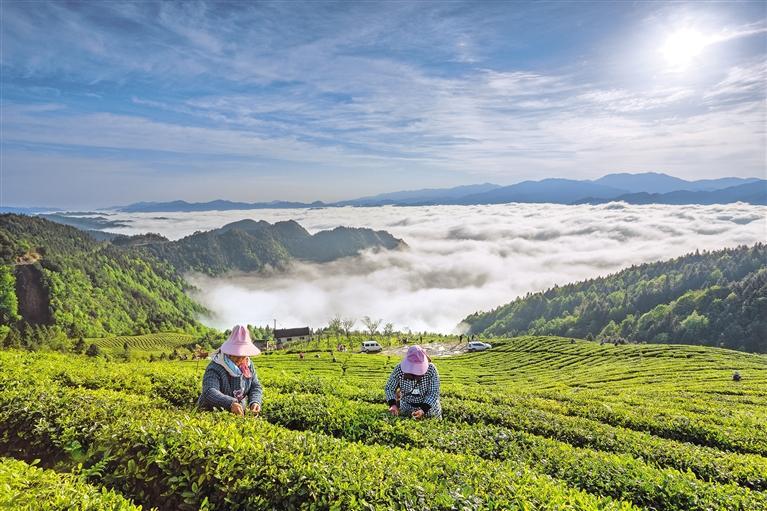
(371, 347)
(478, 346)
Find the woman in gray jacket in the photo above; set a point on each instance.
(230, 381)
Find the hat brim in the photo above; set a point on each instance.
(240, 351)
(416, 368)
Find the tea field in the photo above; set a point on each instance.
(142, 345)
(535, 423)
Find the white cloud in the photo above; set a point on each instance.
(746, 79)
(435, 91)
(461, 258)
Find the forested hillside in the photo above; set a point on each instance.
(52, 275)
(58, 278)
(248, 245)
(710, 298)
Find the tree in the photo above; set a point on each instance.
(335, 325)
(79, 346)
(9, 305)
(694, 326)
(347, 325)
(371, 324)
(93, 351)
(388, 331)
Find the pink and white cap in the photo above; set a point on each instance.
(239, 344)
(415, 362)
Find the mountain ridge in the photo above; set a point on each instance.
(249, 245)
(752, 193)
(550, 190)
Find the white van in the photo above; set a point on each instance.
(371, 347)
(478, 346)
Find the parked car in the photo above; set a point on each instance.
(371, 347)
(478, 346)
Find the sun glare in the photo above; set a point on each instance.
(682, 47)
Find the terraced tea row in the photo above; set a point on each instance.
(577, 422)
(517, 413)
(181, 460)
(148, 343)
(619, 476)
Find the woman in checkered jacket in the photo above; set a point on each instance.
(413, 386)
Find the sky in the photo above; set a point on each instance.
(458, 260)
(108, 103)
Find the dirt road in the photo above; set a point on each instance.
(435, 349)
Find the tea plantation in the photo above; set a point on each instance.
(535, 423)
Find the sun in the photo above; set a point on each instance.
(683, 47)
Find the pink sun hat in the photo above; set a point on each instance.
(415, 362)
(239, 344)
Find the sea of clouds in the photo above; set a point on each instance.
(460, 259)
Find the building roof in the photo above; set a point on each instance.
(292, 332)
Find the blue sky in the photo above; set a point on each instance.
(107, 103)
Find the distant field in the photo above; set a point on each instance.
(535, 423)
(145, 344)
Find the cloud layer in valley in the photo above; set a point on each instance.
(460, 258)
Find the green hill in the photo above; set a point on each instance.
(711, 298)
(57, 279)
(248, 245)
(52, 275)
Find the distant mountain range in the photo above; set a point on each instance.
(420, 196)
(644, 188)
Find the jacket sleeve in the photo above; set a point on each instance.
(211, 391)
(432, 390)
(256, 391)
(392, 384)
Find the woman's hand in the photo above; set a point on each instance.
(237, 409)
(394, 410)
(417, 414)
(255, 408)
